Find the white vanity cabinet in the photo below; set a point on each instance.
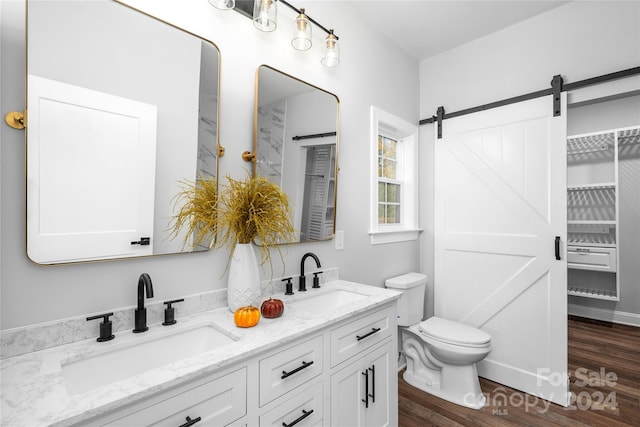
(363, 387)
(342, 375)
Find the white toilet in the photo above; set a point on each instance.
(441, 354)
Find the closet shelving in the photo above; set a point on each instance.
(592, 215)
(593, 226)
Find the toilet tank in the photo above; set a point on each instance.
(411, 302)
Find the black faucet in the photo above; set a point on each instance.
(302, 286)
(144, 282)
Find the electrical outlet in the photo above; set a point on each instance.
(339, 240)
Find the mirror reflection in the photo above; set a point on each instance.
(122, 108)
(296, 147)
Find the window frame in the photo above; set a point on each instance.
(406, 134)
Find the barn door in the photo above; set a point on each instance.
(500, 230)
(90, 174)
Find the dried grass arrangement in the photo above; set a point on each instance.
(198, 214)
(248, 210)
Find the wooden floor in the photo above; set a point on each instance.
(593, 346)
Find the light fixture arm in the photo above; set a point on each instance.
(298, 11)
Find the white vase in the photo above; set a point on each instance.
(244, 278)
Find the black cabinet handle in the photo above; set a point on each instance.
(191, 422)
(373, 331)
(373, 383)
(304, 365)
(366, 388)
(304, 415)
(558, 247)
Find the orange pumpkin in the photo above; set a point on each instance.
(246, 317)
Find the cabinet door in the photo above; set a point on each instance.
(347, 395)
(379, 411)
(361, 393)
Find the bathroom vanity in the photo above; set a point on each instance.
(329, 360)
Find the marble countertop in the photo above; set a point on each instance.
(33, 389)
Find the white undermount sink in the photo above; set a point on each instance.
(142, 354)
(326, 301)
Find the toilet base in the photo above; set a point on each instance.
(456, 383)
(473, 398)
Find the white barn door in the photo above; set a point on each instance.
(90, 173)
(500, 202)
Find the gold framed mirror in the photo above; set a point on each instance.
(296, 146)
(122, 107)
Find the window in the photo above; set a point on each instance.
(389, 181)
(394, 179)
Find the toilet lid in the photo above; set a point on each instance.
(453, 332)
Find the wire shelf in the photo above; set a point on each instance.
(590, 143)
(591, 234)
(590, 187)
(629, 136)
(593, 293)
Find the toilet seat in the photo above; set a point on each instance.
(454, 333)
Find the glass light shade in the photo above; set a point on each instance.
(265, 14)
(331, 57)
(223, 4)
(301, 32)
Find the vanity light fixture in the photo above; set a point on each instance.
(223, 4)
(264, 18)
(301, 32)
(265, 14)
(331, 56)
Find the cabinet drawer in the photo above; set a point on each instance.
(591, 258)
(306, 407)
(350, 339)
(217, 403)
(290, 368)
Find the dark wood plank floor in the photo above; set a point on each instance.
(595, 350)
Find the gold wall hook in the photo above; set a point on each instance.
(221, 151)
(248, 156)
(15, 119)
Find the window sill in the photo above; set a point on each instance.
(382, 237)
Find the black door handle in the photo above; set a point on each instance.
(373, 383)
(366, 388)
(558, 247)
(144, 241)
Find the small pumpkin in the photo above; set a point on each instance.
(246, 317)
(272, 308)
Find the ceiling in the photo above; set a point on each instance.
(424, 28)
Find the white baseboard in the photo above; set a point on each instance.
(615, 316)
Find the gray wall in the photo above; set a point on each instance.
(578, 40)
(33, 294)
